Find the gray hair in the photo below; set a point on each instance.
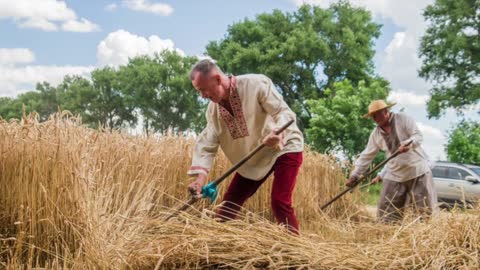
(203, 66)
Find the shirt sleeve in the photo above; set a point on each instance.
(366, 157)
(383, 172)
(272, 102)
(415, 135)
(206, 147)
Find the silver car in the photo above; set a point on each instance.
(456, 183)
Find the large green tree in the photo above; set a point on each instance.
(450, 51)
(337, 124)
(98, 101)
(75, 95)
(303, 52)
(463, 143)
(45, 102)
(159, 89)
(178, 105)
(109, 105)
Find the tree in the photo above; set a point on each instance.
(46, 102)
(160, 90)
(75, 95)
(304, 52)
(462, 145)
(178, 106)
(99, 102)
(337, 124)
(10, 108)
(43, 101)
(450, 50)
(108, 106)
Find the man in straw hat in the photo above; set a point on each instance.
(408, 178)
(245, 111)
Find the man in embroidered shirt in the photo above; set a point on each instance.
(408, 178)
(243, 113)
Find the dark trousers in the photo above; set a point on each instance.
(285, 171)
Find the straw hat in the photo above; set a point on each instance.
(376, 106)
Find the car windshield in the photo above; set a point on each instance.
(476, 170)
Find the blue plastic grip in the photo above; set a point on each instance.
(210, 191)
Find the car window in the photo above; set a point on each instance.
(458, 174)
(439, 171)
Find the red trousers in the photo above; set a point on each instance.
(285, 171)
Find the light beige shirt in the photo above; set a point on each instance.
(405, 166)
(257, 109)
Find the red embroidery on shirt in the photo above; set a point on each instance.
(236, 124)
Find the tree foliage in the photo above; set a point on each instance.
(98, 101)
(450, 50)
(43, 101)
(10, 108)
(303, 52)
(337, 124)
(463, 143)
(160, 89)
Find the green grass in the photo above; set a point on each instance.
(370, 194)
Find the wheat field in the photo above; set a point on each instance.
(77, 198)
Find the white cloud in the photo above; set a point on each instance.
(111, 7)
(433, 141)
(47, 9)
(400, 64)
(14, 80)
(42, 15)
(80, 26)
(430, 132)
(408, 98)
(400, 41)
(39, 23)
(16, 76)
(146, 6)
(10, 57)
(121, 45)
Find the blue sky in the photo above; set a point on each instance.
(43, 40)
